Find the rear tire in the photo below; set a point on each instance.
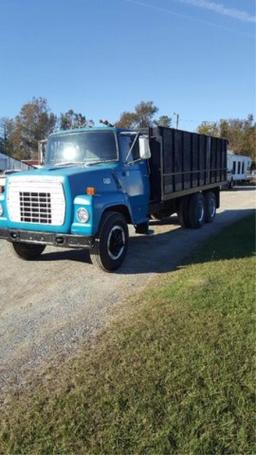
(210, 206)
(196, 211)
(28, 251)
(112, 242)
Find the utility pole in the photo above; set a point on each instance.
(177, 119)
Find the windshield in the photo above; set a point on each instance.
(81, 148)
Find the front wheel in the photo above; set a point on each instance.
(28, 251)
(111, 245)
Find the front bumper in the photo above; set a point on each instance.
(47, 238)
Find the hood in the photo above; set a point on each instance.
(100, 176)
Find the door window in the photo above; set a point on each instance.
(125, 143)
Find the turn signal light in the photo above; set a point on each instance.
(90, 190)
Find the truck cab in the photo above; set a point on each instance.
(93, 183)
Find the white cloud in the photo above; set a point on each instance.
(222, 9)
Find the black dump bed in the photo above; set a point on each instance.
(183, 162)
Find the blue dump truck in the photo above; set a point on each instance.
(97, 181)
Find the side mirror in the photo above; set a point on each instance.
(145, 153)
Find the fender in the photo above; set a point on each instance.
(107, 200)
(96, 206)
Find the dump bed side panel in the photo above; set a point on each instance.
(182, 161)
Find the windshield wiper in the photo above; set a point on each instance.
(69, 163)
(91, 163)
(84, 163)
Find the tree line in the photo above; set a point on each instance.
(241, 134)
(19, 136)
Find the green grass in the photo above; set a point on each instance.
(174, 375)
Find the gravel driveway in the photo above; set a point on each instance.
(49, 306)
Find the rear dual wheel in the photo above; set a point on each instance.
(210, 206)
(197, 209)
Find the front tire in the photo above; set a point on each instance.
(111, 245)
(28, 251)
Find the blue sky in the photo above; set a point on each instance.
(101, 57)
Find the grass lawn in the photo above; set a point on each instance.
(174, 375)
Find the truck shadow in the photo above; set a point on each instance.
(82, 255)
(159, 252)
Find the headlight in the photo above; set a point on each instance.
(1, 210)
(83, 215)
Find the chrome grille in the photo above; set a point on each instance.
(35, 207)
(36, 199)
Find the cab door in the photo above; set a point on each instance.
(134, 178)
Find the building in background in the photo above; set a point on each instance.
(238, 167)
(10, 164)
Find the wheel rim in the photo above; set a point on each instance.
(212, 208)
(200, 213)
(116, 242)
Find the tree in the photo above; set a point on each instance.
(208, 128)
(241, 134)
(71, 119)
(142, 117)
(164, 120)
(127, 120)
(34, 123)
(145, 112)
